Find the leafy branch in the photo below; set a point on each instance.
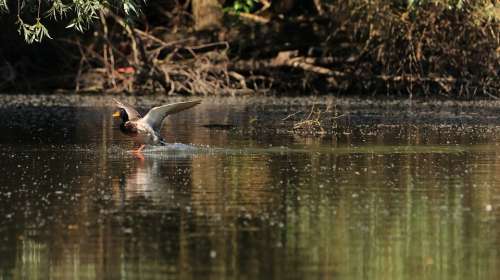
(80, 14)
(58, 10)
(32, 33)
(3, 6)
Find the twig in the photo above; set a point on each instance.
(291, 115)
(252, 17)
(338, 117)
(107, 49)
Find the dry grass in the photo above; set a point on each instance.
(131, 60)
(366, 47)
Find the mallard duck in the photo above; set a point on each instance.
(146, 130)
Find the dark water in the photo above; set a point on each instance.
(386, 194)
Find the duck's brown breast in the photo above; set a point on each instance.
(129, 128)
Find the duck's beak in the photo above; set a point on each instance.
(116, 114)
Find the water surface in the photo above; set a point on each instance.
(390, 192)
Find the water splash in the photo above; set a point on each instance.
(175, 147)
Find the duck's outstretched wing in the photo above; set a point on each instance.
(133, 115)
(156, 115)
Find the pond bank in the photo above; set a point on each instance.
(397, 48)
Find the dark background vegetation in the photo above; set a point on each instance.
(245, 47)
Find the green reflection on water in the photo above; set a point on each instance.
(329, 210)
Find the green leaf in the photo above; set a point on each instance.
(58, 10)
(3, 6)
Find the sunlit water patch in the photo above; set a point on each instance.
(385, 194)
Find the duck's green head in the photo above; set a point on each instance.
(121, 114)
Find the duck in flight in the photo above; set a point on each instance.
(146, 130)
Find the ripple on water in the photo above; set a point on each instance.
(373, 199)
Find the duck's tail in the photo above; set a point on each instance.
(163, 142)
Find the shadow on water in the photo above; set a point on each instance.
(400, 202)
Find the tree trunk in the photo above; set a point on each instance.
(207, 14)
